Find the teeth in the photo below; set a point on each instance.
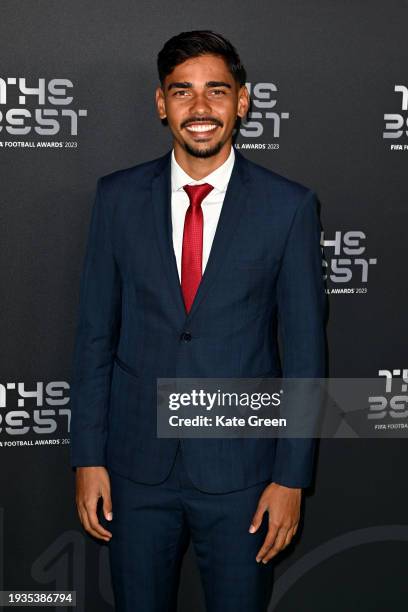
(201, 128)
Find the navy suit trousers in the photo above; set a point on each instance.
(152, 526)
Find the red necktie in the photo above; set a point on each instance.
(192, 254)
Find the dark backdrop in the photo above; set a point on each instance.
(325, 113)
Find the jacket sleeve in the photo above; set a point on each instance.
(302, 305)
(97, 333)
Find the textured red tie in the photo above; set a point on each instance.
(192, 254)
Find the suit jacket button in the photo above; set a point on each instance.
(185, 336)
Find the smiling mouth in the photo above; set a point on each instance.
(201, 128)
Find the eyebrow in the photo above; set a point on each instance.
(187, 85)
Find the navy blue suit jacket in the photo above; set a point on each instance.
(264, 274)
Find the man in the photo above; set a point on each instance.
(194, 262)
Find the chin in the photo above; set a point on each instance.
(207, 152)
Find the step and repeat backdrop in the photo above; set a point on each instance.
(329, 89)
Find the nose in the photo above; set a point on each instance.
(200, 104)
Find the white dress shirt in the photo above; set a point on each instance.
(211, 204)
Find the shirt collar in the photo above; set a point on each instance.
(218, 178)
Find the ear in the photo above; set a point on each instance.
(243, 101)
(160, 103)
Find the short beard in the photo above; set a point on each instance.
(203, 153)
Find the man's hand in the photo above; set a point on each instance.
(283, 506)
(91, 484)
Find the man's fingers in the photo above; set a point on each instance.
(268, 542)
(278, 545)
(90, 520)
(92, 483)
(87, 526)
(95, 524)
(289, 537)
(257, 518)
(107, 505)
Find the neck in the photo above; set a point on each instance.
(199, 167)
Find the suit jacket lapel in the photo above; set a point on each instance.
(232, 210)
(161, 199)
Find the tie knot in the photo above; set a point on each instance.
(197, 193)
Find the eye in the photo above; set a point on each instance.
(218, 91)
(181, 92)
